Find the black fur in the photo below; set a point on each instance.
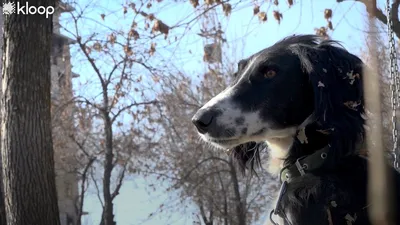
(334, 78)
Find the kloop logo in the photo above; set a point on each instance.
(9, 8)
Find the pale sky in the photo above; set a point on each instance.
(247, 36)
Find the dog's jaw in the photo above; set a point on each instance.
(278, 151)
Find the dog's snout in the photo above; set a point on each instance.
(203, 119)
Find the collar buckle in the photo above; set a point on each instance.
(301, 168)
(305, 164)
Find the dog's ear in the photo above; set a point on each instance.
(336, 78)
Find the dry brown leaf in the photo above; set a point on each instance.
(156, 79)
(276, 2)
(128, 50)
(352, 77)
(330, 26)
(350, 219)
(161, 27)
(133, 33)
(256, 10)
(88, 50)
(302, 136)
(125, 10)
(149, 5)
(326, 131)
(112, 38)
(352, 105)
(152, 49)
(97, 46)
(194, 3)
(151, 17)
(132, 6)
(102, 16)
(290, 3)
(262, 16)
(328, 13)
(322, 31)
(278, 16)
(227, 8)
(209, 2)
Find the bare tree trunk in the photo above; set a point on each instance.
(26, 141)
(240, 209)
(204, 217)
(2, 206)
(380, 186)
(81, 199)
(108, 216)
(225, 208)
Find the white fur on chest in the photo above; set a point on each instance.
(278, 149)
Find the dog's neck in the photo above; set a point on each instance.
(279, 148)
(278, 151)
(285, 150)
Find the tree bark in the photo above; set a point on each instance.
(2, 207)
(108, 210)
(81, 198)
(26, 141)
(240, 204)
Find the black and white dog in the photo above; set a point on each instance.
(303, 97)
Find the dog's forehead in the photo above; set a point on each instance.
(281, 48)
(271, 53)
(248, 65)
(262, 55)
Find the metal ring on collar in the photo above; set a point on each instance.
(270, 217)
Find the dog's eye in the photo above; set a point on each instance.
(270, 74)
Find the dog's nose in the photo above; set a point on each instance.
(203, 120)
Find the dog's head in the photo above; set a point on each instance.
(278, 89)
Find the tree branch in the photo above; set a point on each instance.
(83, 183)
(130, 106)
(97, 189)
(380, 15)
(82, 46)
(115, 68)
(120, 181)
